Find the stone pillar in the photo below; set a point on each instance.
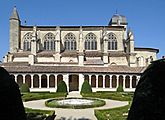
(110, 78)
(130, 81)
(66, 80)
(55, 81)
(31, 81)
(90, 79)
(124, 81)
(16, 78)
(14, 31)
(96, 81)
(47, 81)
(103, 81)
(81, 78)
(34, 41)
(23, 79)
(81, 48)
(39, 80)
(117, 78)
(58, 33)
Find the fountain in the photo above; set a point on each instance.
(75, 103)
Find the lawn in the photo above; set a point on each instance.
(38, 96)
(35, 114)
(116, 113)
(120, 113)
(121, 96)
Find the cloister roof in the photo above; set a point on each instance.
(25, 68)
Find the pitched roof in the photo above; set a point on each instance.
(25, 68)
(14, 14)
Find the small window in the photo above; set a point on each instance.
(112, 42)
(27, 42)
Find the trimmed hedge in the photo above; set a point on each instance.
(86, 88)
(37, 96)
(24, 88)
(121, 96)
(62, 88)
(35, 114)
(120, 89)
(53, 103)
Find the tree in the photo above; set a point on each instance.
(86, 88)
(24, 88)
(120, 89)
(62, 87)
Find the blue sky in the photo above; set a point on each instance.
(145, 17)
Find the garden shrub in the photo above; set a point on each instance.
(24, 88)
(120, 89)
(62, 87)
(86, 88)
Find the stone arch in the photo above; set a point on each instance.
(13, 77)
(43, 81)
(36, 81)
(59, 78)
(51, 81)
(100, 81)
(127, 81)
(28, 80)
(121, 80)
(114, 81)
(86, 77)
(93, 81)
(134, 81)
(107, 81)
(19, 80)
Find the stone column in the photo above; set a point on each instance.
(110, 80)
(124, 81)
(23, 79)
(117, 78)
(130, 81)
(66, 80)
(31, 81)
(39, 80)
(47, 81)
(90, 79)
(58, 33)
(81, 78)
(103, 81)
(55, 81)
(96, 81)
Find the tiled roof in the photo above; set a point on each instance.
(24, 68)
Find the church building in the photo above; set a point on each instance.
(42, 56)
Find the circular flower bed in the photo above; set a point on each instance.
(75, 103)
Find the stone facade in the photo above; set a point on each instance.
(79, 46)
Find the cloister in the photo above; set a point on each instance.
(98, 82)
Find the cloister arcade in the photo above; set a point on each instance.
(49, 82)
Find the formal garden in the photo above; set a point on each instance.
(86, 91)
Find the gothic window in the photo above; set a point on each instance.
(27, 42)
(112, 42)
(90, 42)
(70, 42)
(49, 41)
